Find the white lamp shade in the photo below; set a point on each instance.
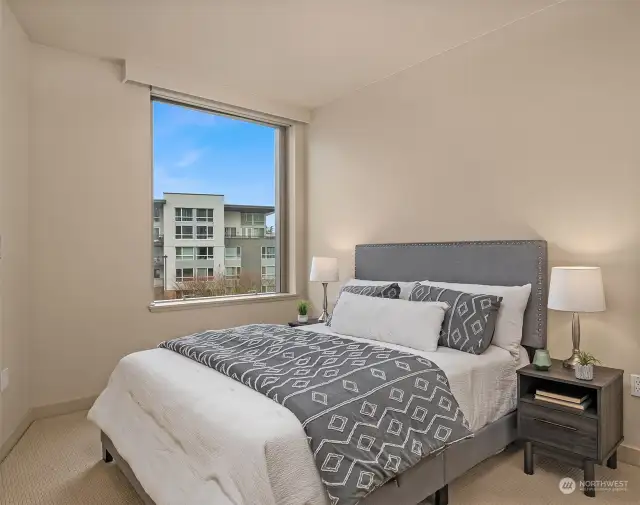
(576, 289)
(324, 269)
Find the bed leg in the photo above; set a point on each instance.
(106, 455)
(441, 497)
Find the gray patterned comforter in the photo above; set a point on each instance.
(369, 412)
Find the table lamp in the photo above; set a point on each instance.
(576, 289)
(324, 270)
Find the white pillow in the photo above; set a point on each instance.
(405, 287)
(508, 332)
(412, 324)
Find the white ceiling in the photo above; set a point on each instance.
(300, 52)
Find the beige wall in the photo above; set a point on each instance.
(90, 232)
(532, 131)
(14, 267)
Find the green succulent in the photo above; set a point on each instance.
(303, 307)
(586, 358)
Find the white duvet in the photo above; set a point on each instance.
(194, 436)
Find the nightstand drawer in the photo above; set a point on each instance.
(564, 430)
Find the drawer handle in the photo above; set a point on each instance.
(570, 428)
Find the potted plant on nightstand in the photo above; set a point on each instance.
(584, 367)
(303, 311)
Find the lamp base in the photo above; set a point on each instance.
(571, 361)
(323, 317)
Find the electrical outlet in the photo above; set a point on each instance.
(4, 379)
(635, 384)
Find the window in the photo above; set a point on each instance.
(205, 253)
(184, 253)
(184, 214)
(268, 272)
(183, 232)
(184, 274)
(204, 232)
(268, 253)
(204, 273)
(253, 232)
(212, 247)
(251, 218)
(232, 272)
(204, 215)
(232, 252)
(157, 273)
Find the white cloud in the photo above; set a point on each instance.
(190, 157)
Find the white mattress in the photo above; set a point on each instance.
(192, 435)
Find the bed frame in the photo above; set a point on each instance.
(505, 263)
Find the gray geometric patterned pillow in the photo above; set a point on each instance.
(470, 322)
(387, 291)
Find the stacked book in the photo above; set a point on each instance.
(574, 402)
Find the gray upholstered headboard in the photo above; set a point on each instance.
(503, 263)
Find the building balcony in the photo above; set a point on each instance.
(240, 233)
(158, 261)
(158, 240)
(232, 262)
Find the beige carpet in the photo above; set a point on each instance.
(58, 462)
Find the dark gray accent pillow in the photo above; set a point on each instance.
(387, 291)
(470, 322)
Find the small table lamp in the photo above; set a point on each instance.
(576, 289)
(324, 270)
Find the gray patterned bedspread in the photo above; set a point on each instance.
(369, 412)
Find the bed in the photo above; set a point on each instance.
(161, 420)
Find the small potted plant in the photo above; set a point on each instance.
(303, 311)
(584, 367)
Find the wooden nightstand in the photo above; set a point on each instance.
(312, 320)
(582, 438)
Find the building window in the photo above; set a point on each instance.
(232, 252)
(204, 215)
(233, 272)
(184, 274)
(157, 273)
(183, 214)
(253, 232)
(268, 288)
(204, 232)
(268, 253)
(252, 218)
(184, 232)
(184, 253)
(190, 194)
(204, 273)
(268, 272)
(205, 253)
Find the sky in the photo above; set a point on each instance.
(199, 152)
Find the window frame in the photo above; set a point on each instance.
(208, 218)
(182, 219)
(284, 133)
(206, 235)
(182, 257)
(181, 237)
(206, 256)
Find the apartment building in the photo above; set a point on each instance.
(203, 246)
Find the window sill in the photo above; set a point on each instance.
(220, 301)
